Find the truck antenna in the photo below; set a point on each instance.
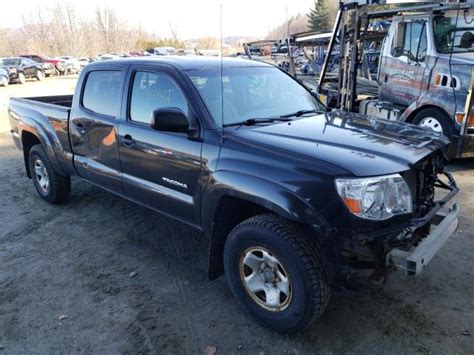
(222, 71)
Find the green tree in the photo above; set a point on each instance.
(321, 16)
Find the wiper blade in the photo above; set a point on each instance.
(299, 113)
(254, 121)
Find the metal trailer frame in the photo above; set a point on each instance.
(300, 39)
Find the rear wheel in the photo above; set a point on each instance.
(51, 186)
(21, 78)
(39, 75)
(435, 120)
(275, 273)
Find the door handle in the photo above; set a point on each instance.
(128, 141)
(80, 128)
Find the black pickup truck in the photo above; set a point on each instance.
(297, 201)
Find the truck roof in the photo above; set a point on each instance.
(185, 62)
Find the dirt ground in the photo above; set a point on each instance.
(65, 284)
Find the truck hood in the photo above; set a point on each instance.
(361, 145)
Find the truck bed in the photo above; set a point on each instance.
(47, 114)
(59, 100)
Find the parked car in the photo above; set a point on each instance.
(137, 53)
(164, 51)
(83, 61)
(20, 69)
(4, 77)
(59, 64)
(48, 69)
(72, 64)
(108, 57)
(295, 200)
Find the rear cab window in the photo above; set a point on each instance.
(102, 92)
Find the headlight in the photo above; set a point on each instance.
(376, 198)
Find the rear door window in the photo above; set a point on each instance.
(102, 92)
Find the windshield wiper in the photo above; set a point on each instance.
(254, 121)
(299, 113)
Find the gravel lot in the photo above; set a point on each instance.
(66, 285)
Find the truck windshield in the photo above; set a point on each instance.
(454, 34)
(9, 61)
(252, 93)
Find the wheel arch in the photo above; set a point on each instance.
(231, 198)
(28, 140)
(32, 134)
(410, 113)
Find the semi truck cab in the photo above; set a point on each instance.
(425, 75)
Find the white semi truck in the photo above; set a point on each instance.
(425, 67)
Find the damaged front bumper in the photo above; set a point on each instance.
(412, 261)
(441, 223)
(405, 247)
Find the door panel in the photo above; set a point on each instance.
(402, 75)
(160, 169)
(93, 129)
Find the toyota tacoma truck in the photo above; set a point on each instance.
(297, 201)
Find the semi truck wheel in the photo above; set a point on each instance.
(275, 273)
(51, 186)
(436, 120)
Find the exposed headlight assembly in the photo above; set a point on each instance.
(376, 198)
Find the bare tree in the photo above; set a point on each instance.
(295, 24)
(174, 31)
(37, 29)
(58, 30)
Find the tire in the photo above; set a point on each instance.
(21, 78)
(299, 272)
(436, 120)
(51, 186)
(39, 75)
(4, 82)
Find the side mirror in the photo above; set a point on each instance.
(396, 52)
(170, 119)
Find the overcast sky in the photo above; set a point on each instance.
(193, 18)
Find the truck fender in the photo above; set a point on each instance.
(415, 107)
(255, 190)
(41, 128)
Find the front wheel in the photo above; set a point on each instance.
(275, 273)
(39, 75)
(21, 78)
(4, 81)
(435, 120)
(51, 186)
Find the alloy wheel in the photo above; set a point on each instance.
(265, 279)
(41, 176)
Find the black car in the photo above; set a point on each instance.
(20, 69)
